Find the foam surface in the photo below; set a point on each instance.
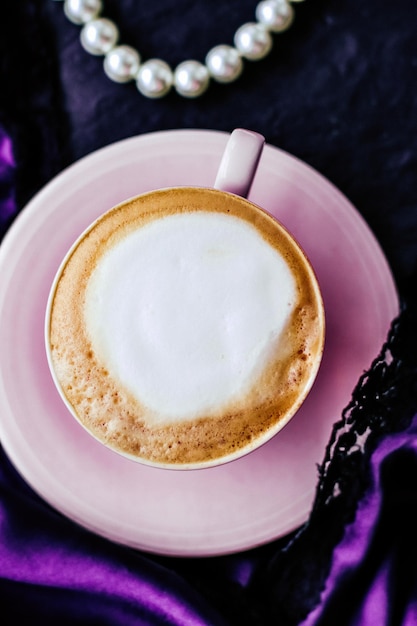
(186, 310)
(179, 335)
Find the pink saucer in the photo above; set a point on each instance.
(193, 513)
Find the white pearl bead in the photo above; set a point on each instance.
(99, 36)
(253, 41)
(122, 64)
(224, 63)
(82, 11)
(191, 79)
(154, 78)
(276, 15)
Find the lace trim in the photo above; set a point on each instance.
(383, 402)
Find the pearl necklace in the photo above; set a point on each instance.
(154, 77)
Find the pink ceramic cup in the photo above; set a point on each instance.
(231, 422)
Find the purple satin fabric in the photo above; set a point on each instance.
(8, 206)
(63, 575)
(373, 577)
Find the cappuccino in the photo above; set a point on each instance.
(185, 327)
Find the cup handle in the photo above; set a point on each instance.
(239, 162)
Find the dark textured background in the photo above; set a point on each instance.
(338, 91)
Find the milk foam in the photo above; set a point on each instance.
(185, 311)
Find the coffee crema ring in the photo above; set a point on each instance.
(186, 327)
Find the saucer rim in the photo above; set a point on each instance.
(14, 237)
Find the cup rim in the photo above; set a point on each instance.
(259, 440)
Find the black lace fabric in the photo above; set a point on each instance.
(384, 403)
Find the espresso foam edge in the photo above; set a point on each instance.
(205, 438)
